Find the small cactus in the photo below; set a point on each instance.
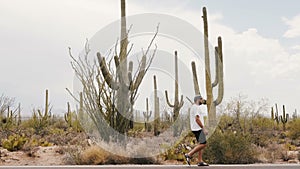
(72, 119)
(147, 116)
(41, 119)
(68, 116)
(177, 105)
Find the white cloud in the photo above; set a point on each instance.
(294, 27)
(296, 47)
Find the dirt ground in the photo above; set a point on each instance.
(39, 156)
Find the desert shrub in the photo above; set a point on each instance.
(229, 148)
(177, 151)
(294, 128)
(14, 142)
(95, 155)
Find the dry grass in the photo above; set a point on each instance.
(95, 155)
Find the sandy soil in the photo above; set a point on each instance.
(38, 156)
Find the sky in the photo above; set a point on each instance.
(261, 44)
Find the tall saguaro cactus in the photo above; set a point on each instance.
(123, 83)
(218, 82)
(147, 116)
(156, 109)
(177, 105)
(284, 118)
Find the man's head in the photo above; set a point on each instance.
(199, 100)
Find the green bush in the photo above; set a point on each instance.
(14, 142)
(294, 128)
(229, 148)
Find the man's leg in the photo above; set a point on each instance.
(200, 154)
(199, 147)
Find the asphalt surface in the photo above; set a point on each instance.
(294, 166)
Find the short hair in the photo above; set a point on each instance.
(197, 98)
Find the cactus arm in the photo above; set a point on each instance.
(105, 72)
(181, 101)
(140, 75)
(130, 68)
(215, 83)
(220, 72)
(147, 105)
(46, 103)
(168, 101)
(272, 113)
(195, 79)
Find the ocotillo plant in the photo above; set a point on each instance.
(147, 114)
(284, 118)
(177, 105)
(156, 109)
(211, 103)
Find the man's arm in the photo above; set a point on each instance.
(198, 121)
(201, 124)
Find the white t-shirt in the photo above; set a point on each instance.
(194, 111)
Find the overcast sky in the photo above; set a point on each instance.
(261, 44)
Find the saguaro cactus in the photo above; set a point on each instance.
(295, 115)
(274, 115)
(68, 115)
(211, 103)
(40, 119)
(125, 84)
(177, 105)
(147, 116)
(156, 109)
(19, 115)
(72, 119)
(284, 118)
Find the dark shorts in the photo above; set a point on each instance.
(200, 136)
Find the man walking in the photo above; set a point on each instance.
(197, 127)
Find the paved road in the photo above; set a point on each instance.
(163, 167)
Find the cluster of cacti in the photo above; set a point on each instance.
(177, 105)
(40, 119)
(147, 114)
(211, 103)
(72, 119)
(12, 118)
(282, 118)
(156, 109)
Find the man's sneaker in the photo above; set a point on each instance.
(188, 159)
(202, 164)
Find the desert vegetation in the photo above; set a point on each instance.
(103, 130)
